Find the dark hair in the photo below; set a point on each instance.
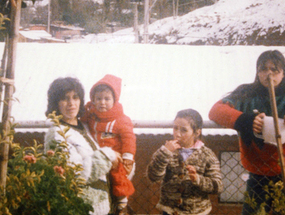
(193, 117)
(101, 88)
(57, 91)
(246, 91)
(275, 56)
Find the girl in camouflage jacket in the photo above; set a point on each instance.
(189, 171)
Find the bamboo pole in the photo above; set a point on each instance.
(3, 69)
(9, 88)
(276, 125)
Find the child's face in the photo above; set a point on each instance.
(264, 71)
(183, 132)
(103, 100)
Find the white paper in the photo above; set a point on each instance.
(268, 130)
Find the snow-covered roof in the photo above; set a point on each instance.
(67, 27)
(36, 34)
(157, 80)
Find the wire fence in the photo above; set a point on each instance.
(223, 143)
(234, 175)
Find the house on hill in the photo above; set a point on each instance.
(59, 33)
(65, 32)
(40, 36)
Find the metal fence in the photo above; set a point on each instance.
(150, 136)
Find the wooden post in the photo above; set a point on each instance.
(3, 68)
(9, 89)
(136, 28)
(49, 14)
(146, 20)
(174, 9)
(276, 125)
(177, 5)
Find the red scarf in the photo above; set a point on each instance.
(93, 113)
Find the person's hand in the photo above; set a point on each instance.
(172, 145)
(258, 123)
(117, 160)
(192, 173)
(128, 165)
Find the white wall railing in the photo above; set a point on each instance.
(137, 124)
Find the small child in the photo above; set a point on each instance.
(189, 171)
(110, 127)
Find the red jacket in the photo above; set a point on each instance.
(261, 161)
(112, 128)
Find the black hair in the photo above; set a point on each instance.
(193, 117)
(246, 91)
(275, 56)
(57, 91)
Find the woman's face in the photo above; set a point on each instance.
(277, 74)
(69, 107)
(183, 132)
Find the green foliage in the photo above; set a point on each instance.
(95, 25)
(276, 193)
(250, 201)
(43, 183)
(5, 15)
(5, 6)
(4, 26)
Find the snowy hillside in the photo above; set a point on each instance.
(228, 22)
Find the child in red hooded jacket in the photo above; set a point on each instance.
(110, 127)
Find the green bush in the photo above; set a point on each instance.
(276, 193)
(43, 183)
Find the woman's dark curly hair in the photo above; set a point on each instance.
(57, 91)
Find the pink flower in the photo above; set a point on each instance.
(59, 170)
(50, 153)
(30, 158)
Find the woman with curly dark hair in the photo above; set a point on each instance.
(66, 98)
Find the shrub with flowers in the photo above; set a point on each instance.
(43, 183)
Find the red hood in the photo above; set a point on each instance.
(111, 81)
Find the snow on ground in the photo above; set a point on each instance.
(224, 19)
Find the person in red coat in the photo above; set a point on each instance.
(244, 110)
(110, 127)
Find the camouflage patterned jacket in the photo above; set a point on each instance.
(179, 195)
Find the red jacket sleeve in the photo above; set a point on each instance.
(224, 114)
(127, 136)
